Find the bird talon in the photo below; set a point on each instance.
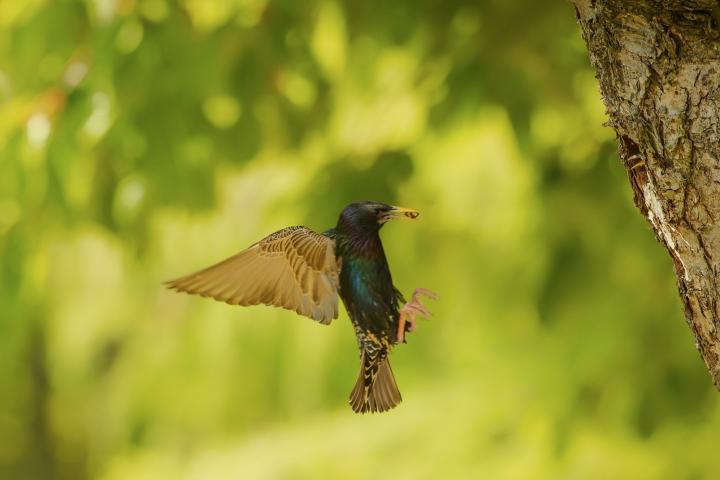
(424, 291)
(409, 311)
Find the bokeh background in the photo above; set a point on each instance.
(144, 139)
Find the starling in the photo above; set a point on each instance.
(300, 270)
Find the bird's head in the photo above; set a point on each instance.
(371, 216)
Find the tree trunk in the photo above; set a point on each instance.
(658, 64)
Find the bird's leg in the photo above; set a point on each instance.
(410, 310)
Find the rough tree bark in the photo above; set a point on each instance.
(658, 64)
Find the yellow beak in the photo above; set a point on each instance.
(400, 213)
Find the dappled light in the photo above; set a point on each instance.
(144, 139)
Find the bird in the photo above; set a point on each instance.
(304, 271)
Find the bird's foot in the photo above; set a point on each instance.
(411, 310)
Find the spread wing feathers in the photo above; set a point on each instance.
(294, 268)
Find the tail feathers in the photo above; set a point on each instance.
(375, 389)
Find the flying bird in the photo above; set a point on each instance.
(304, 271)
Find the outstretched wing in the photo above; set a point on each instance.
(294, 268)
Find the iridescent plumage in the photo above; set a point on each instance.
(298, 269)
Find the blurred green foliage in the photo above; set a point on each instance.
(143, 139)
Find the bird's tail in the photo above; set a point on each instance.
(375, 389)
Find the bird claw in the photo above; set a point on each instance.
(410, 310)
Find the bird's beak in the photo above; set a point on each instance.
(399, 213)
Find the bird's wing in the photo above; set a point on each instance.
(294, 268)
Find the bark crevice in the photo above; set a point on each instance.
(658, 66)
